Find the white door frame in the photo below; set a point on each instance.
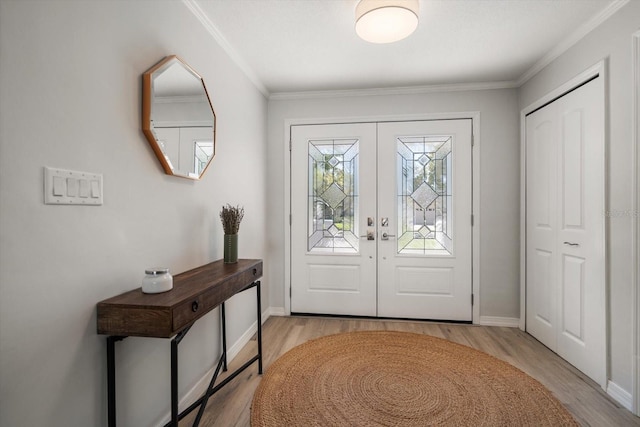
(635, 187)
(475, 118)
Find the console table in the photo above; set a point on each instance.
(171, 314)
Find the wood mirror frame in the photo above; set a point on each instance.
(178, 118)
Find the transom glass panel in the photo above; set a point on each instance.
(424, 195)
(333, 196)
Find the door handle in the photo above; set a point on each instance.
(385, 236)
(571, 244)
(370, 235)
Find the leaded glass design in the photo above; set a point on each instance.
(424, 195)
(333, 196)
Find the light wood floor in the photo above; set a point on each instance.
(583, 398)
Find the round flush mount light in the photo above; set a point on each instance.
(386, 21)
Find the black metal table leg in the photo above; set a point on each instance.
(175, 415)
(174, 382)
(259, 317)
(224, 336)
(111, 382)
(111, 379)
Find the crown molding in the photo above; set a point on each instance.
(572, 39)
(553, 54)
(405, 90)
(195, 8)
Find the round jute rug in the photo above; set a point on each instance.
(384, 378)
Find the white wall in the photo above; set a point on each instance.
(70, 79)
(613, 41)
(499, 178)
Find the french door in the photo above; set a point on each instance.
(424, 193)
(333, 194)
(381, 219)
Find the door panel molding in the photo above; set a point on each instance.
(476, 229)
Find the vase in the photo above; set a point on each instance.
(230, 248)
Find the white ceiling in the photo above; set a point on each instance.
(311, 45)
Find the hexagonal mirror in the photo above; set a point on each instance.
(177, 118)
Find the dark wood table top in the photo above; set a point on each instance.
(195, 293)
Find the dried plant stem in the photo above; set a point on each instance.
(231, 217)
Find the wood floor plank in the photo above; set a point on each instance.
(588, 403)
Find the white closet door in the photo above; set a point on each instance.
(542, 266)
(566, 293)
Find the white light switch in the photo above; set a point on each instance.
(59, 186)
(72, 187)
(64, 187)
(95, 189)
(84, 189)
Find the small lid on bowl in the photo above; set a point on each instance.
(155, 271)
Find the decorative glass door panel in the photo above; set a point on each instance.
(333, 196)
(424, 189)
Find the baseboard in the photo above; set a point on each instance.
(509, 322)
(620, 395)
(277, 311)
(201, 385)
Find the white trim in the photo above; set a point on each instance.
(244, 339)
(473, 115)
(620, 395)
(477, 219)
(508, 322)
(410, 90)
(235, 56)
(598, 68)
(277, 311)
(287, 215)
(523, 222)
(571, 40)
(635, 188)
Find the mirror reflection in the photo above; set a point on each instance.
(178, 119)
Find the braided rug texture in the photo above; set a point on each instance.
(385, 378)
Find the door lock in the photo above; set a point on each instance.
(370, 235)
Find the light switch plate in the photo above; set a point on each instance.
(57, 190)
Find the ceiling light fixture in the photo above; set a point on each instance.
(386, 21)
